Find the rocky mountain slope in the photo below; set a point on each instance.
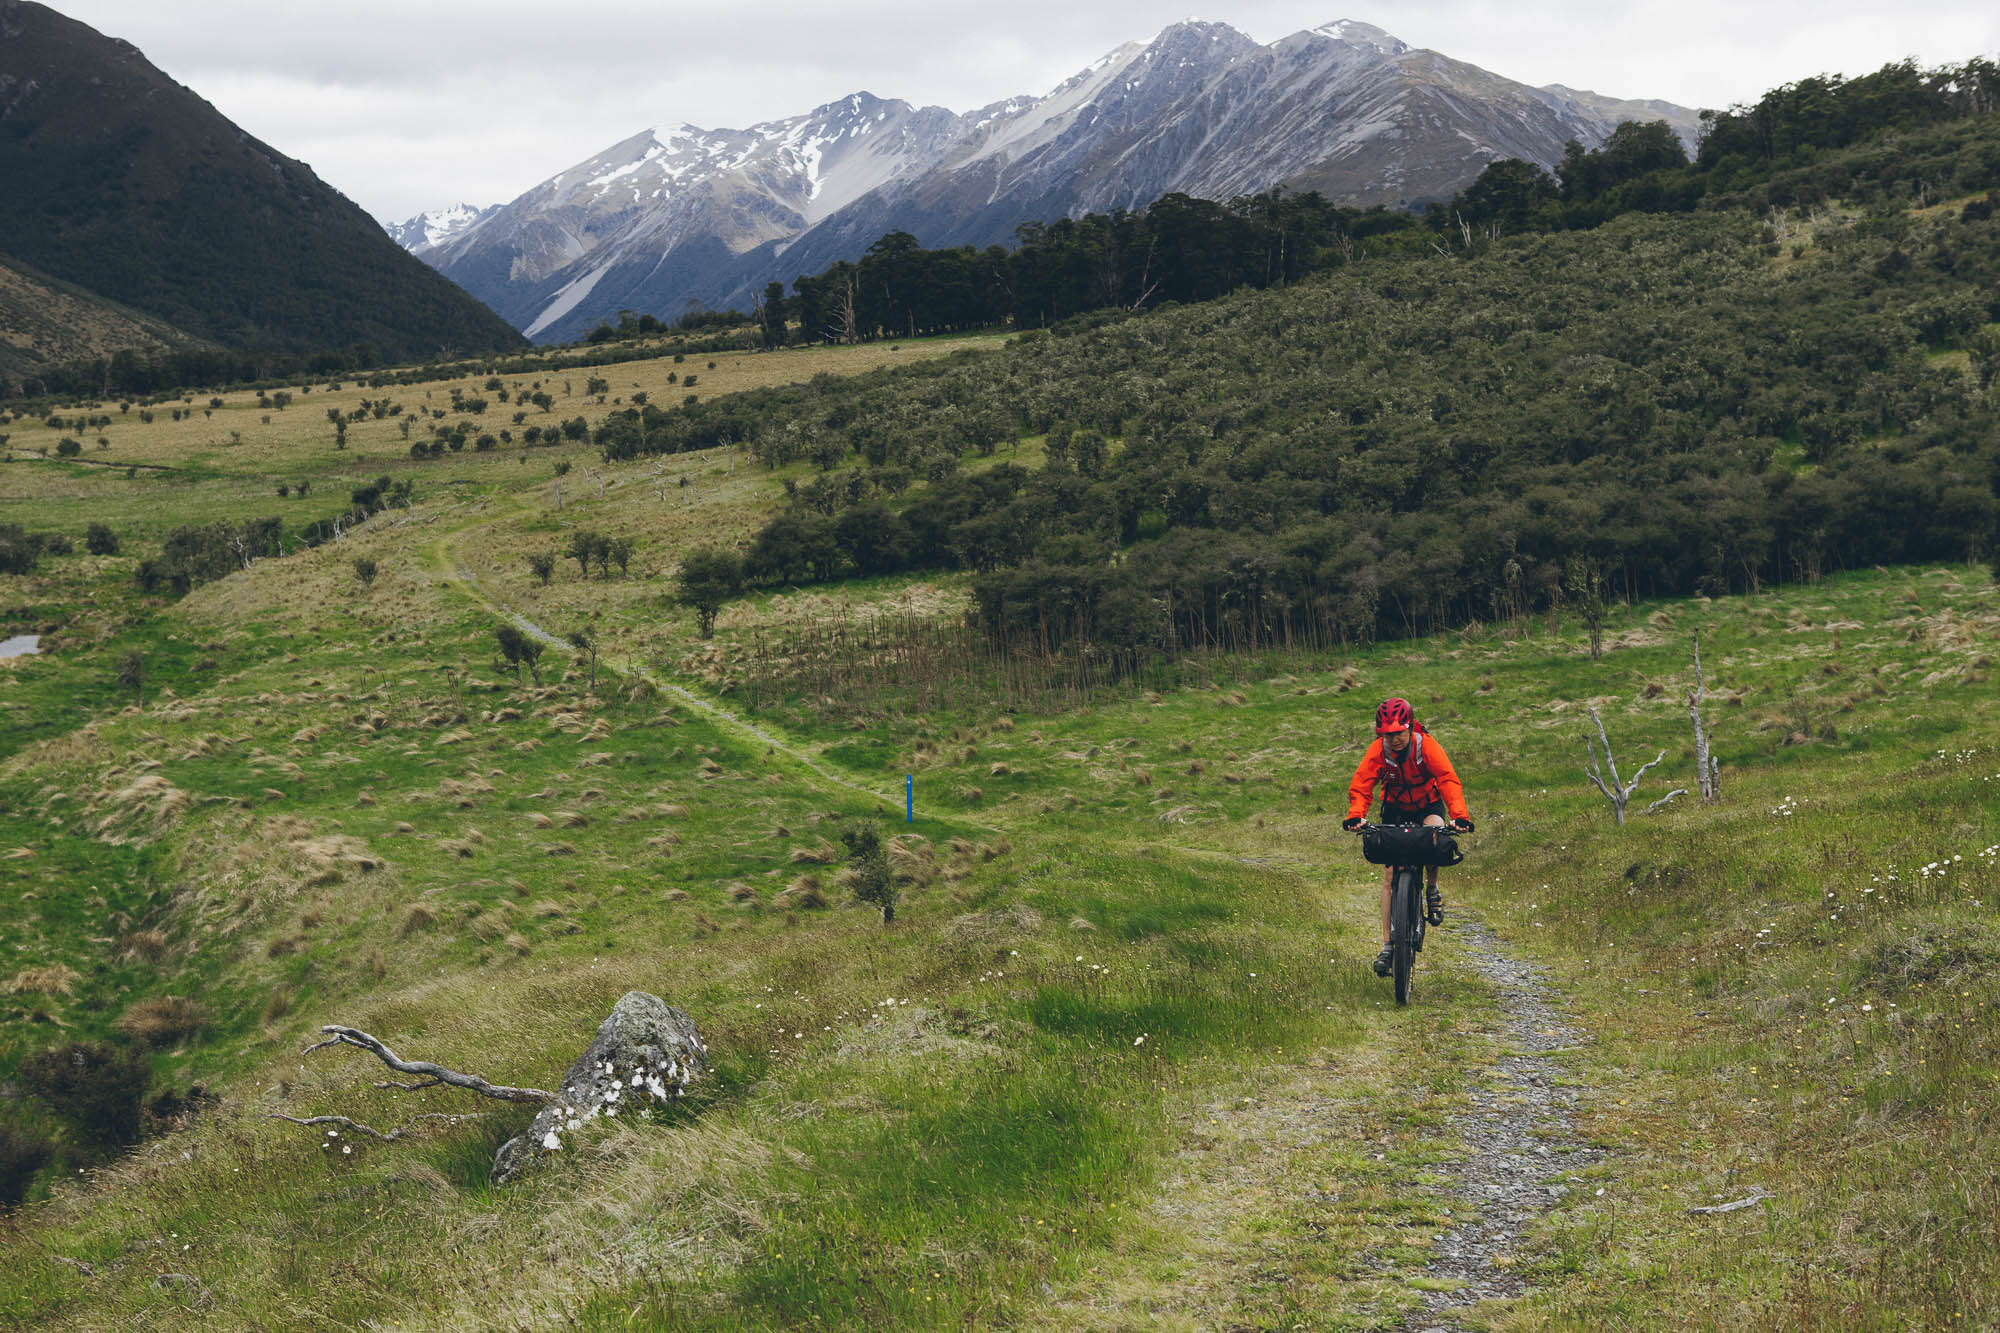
(126, 184)
(686, 214)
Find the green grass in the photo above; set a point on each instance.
(1119, 1060)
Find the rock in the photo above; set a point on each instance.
(646, 1051)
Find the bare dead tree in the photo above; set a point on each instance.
(433, 1074)
(1664, 800)
(850, 319)
(1147, 289)
(1619, 793)
(1708, 773)
(357, 1127)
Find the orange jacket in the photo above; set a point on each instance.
(1443, 777)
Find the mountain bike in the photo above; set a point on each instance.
(1406, 849)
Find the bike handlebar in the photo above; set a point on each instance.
(1454, 825)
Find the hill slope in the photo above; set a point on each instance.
(46, 322)
(125, 183)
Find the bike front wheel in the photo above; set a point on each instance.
(1404, 928)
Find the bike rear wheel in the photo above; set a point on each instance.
(1404, 912)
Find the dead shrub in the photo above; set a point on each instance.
(160, 1021)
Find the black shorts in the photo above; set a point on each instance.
(1399, 814)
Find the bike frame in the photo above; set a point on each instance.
(1406, 919)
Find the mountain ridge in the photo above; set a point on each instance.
(694, 217)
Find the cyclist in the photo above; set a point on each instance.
(1419, 786)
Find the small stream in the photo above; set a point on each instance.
(20, 645)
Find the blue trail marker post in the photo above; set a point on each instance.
(909, 798)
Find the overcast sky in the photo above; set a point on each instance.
(413, 104)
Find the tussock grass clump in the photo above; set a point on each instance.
(418, 918)
(664, 843)
(51, 979)
(805, 891)
(147, 945)
(990, 929)
(141, 810)
(161, 1020)
(821, 853)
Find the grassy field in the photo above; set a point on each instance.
(1117, 1062)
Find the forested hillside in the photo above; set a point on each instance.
(1900, 135)
(127, 184)
(1663, 405)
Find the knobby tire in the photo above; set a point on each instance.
(1403, 933)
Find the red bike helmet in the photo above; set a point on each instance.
(1393, 715)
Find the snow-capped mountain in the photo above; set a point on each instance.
(433, 225)
(679, 215)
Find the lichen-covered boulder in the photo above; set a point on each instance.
(646, 1051)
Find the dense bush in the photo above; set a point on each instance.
(202, 553)
(99, 539)
(1412, 443)
(95, 1089)
(20, 550)
(23, 1152)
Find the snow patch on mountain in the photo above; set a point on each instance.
(433, 225)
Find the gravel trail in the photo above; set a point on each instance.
(1524, 1152)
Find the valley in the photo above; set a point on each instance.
(1117, 1060)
